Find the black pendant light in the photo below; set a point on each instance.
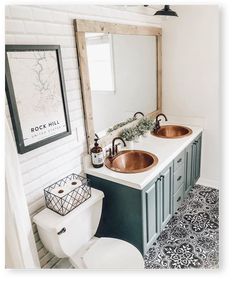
(166, 11)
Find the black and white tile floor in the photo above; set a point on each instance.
(191, 238)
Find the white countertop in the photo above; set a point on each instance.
(165, 149)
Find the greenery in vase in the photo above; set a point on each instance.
(121, 124)
(129, 134)
(140, 130)
(137, 131)
(145, 125)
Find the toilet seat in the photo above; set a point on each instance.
(110, 253)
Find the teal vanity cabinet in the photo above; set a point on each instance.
(138, 216)
(133, 215)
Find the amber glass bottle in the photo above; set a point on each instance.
(97, 155)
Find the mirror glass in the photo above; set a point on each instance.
(123, 77)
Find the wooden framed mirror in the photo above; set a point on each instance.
(120, 72)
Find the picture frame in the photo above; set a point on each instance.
(36, 95)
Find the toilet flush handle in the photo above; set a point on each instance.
(63, 230)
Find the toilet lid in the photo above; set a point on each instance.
(110, 253)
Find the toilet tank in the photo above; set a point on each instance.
(65, 235)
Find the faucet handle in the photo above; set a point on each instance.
(116, 147)
(109, 152)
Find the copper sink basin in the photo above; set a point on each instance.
(131, 161)
(172, 132)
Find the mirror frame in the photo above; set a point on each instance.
(81, 27)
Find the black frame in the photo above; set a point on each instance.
(12, 100)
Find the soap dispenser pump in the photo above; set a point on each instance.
(97, 155)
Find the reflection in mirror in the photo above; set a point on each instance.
(123, 77)
(100, 63)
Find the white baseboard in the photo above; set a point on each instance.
(208, 183)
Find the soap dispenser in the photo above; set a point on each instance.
(97, 155)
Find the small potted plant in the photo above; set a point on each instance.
(146, 125)
(129, 135)
(140, 131)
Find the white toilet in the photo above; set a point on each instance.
(72, 236)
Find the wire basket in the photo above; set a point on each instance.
(67, 193)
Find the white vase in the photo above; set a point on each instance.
(148, 134)
(136, 140)
(130, 144)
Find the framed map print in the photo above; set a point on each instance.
(36, 95)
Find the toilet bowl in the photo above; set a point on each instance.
(72, 236)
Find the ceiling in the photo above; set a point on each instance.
(138, 9)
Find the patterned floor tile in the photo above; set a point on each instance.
(191, 237)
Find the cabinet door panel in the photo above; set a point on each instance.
(166, 195)
(198, 158)
(151, 215)
(158, 205)
(188, 168)
(194, 157)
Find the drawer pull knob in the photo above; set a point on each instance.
(178, 161)
(63, 230)
(178, 199)
(179, 178)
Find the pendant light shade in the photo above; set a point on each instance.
(166, 11)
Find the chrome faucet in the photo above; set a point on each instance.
(114, 149)
(157, 125)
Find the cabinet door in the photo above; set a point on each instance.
(194, 158)
(198, 158)
(152, 213)
(166, 195)
(188, 168)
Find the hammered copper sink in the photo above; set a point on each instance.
(172, 132)
(131, 161)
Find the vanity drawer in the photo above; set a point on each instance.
(178, 178)
(179, 160)
(178, 197)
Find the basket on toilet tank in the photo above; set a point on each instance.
(67, 193)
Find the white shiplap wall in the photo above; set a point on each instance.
(47, 164)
